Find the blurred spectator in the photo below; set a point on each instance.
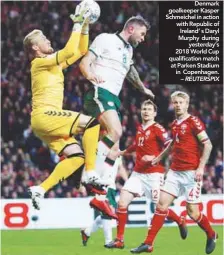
(25, 160)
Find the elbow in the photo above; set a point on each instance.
(84, 51)
(83, 63)
(81, 66)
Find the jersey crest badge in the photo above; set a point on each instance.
(147, 134)
(110, 103)
(183, 128)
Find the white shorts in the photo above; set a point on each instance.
(148, 184)
(183, 184)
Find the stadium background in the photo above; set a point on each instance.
(26, 161)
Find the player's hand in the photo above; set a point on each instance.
(121, 153)
(148, 92)
(81, 14)
(199, 175)
(95, 78)
(155, 161)
(147, 158)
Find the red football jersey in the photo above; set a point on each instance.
(186, 151)
(149, 141)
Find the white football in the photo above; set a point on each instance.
(94, 9)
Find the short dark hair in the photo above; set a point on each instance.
(149, 102)
(137, 20)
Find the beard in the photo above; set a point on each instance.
(133, 41)
(51, 50)
(48, 50)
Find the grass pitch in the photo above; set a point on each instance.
(68, 242)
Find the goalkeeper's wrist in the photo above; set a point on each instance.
(85, 29)
(77, 27)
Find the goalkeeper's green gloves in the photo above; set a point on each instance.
(80, 18)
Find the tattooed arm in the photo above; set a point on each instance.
(134, 79)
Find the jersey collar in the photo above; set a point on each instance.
(182, 120)
(147, 126)
(126, 44)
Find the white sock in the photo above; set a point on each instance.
(108, 174)
(102, 149)
(95, 226)
(111, 173)
(100, 163)
(107, 229)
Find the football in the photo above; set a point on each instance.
(94, 9)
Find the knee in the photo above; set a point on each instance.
(72, 149)
(122, 204)
(193, 213)
(86, 122)
(161, 206)
(92, 123)
(115, 133)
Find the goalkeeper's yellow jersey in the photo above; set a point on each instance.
(46, 73)
(47, 84)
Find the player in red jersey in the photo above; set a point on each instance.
(190, 152)
(151, 140)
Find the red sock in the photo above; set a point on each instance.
(173, 216)
(156, 224)
(122, 215)
(205, 225)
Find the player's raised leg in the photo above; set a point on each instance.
(68, 147)
(90, 138)
(108, 144)
(73, 161)
(111, 122)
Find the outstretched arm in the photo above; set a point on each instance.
(134, 79)
(71, 51)
(83, 48)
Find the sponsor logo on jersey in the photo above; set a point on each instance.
(105, 51)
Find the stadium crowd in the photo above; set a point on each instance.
(25, 160)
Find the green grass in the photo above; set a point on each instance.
(68, 242)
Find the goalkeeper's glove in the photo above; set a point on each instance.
(81, 14)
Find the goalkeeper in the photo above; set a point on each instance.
(53, 125)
